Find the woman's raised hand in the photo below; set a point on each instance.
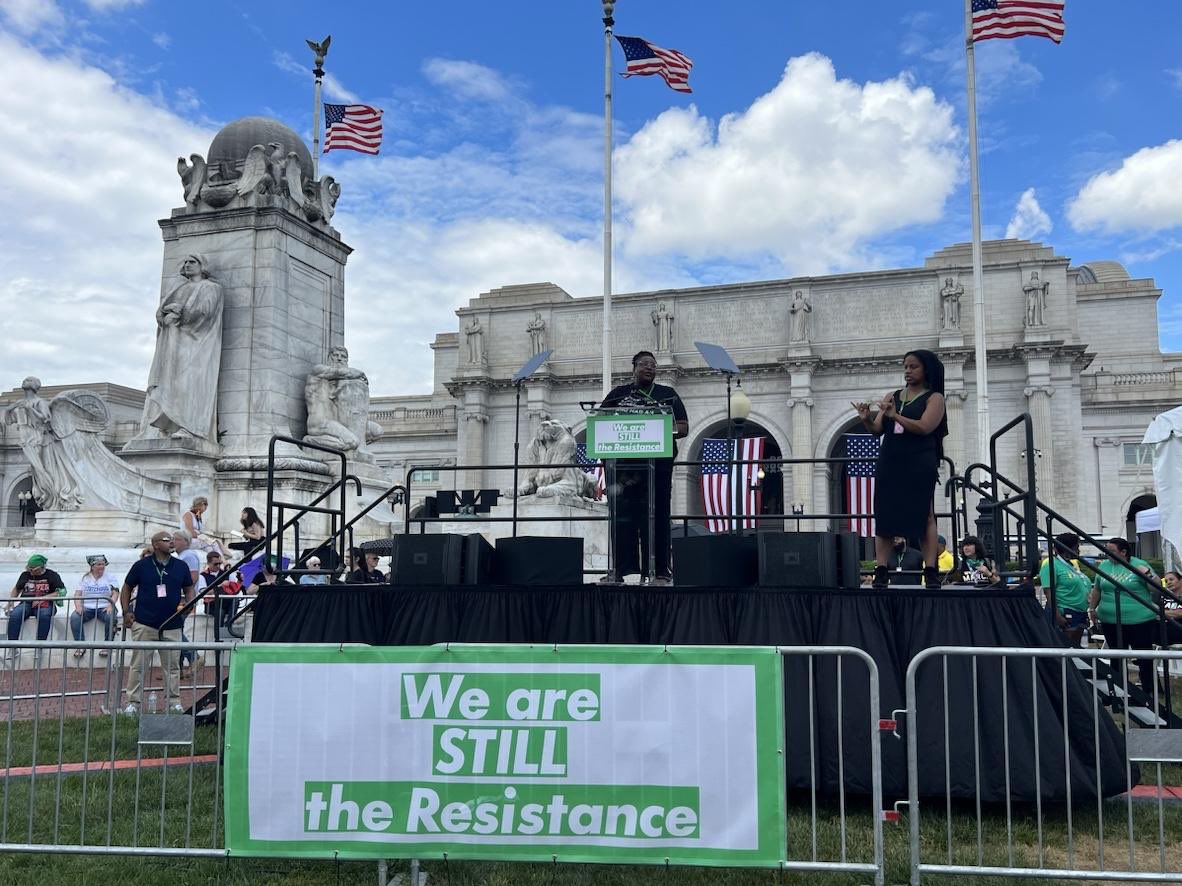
(863, 410)
(888, 406)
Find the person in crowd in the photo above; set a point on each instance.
(905, 559)
(192, 521)
(1127, 616)
(95, 599)
(368, 573)
(253, 530)
(162, 584)
(313, 562)
(945, 561)
(182, 547)
(268, 575)
(1071, 587)
(628, 495)
(36, 587)
(224, 607)
(975, 568)
(1172, 581)
(912, 424)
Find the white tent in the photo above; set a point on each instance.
(1165, 433)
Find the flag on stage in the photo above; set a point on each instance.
(729, 489)
(859, 481)
(594, 468)
(352, 128)
(644, 58)
(1003, 19)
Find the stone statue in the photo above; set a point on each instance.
(337, 397)
(72, 467)
(1036, 300)
(663, 320)
(537, 335)
(950, 299)
(183, 382)
(798, 329)
(475, 336)
(554, 445)
(192, 177)
(54, 486)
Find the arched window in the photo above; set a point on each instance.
(1145, 544)
(22, 507)
(770, 483)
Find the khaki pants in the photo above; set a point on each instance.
(141, 661)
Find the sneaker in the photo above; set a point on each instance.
(176, 708)
(132, 710)
(661, 581)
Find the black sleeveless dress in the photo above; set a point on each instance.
(908, 469)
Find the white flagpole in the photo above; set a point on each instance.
(608, 23)
(980, 351)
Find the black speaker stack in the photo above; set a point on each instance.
(453, 559)
(768, 559)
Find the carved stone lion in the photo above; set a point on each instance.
(552, 446)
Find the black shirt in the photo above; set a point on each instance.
(46, 584)
(910, 560)
(365, 577)
(633, 395)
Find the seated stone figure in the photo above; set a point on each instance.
(337, 397)
(551, 449)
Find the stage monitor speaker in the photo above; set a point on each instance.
(797, 559)
(539, 560)
(479, 560)
(726, 561)
(427, 559)
(849, 560)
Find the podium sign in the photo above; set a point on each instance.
(630, 436)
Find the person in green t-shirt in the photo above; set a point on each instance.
(1071, 587)
(1137, 618)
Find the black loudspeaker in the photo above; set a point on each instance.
(849, 560)
(728, 561)
(798, 559)
(427, 559)
(479, 560)
(539, 560)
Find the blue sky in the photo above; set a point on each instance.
(814, 142)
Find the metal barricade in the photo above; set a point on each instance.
(1057, 748)
(825, 831)
(80, 776)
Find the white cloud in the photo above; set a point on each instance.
(27, 16)
(1175, 75)
(467, 79)
(162, 40)
(334, 90)
(1029, 221)
(112, 5)
(809, 173)
(1142, 195)
(86, 168)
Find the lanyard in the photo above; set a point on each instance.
(160, 573)
(903, 404)
(648, 395)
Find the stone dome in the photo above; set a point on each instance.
(236, 139)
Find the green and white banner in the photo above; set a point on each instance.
(584, 753)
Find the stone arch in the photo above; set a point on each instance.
(772, 484)
(23, 486)
(1145, 544)
(834, 475)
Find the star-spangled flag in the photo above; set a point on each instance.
(1004, 19)
(352, 128)
(644, 58)
(859, 481)
(594, 468)
(731, 490)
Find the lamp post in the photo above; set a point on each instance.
(28, 507)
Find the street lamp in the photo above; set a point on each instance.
(797, 512)
(28, 507)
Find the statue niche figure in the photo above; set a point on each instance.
(337, 397)
(663, 319)
(537, 335)
(950, 297)
(183, 382)
(798, 328)
(552, 447)
(475, 335)
(54, 486)
(1036, 300)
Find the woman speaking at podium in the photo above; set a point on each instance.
(630, 493)
(912, 424)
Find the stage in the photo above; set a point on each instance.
(892, 626)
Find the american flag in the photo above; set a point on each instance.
(728, 489)
(859, 480)
(595, 468)
(352, 128)
(643, 58)
(1018, 18)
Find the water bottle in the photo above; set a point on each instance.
(151, 702)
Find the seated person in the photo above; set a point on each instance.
(253, 530)
(36, 587)
(906, 562)
(975, 568)
(368, 572)
(945, 562)
(313, 562)
(1071, 587)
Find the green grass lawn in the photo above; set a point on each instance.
(75, 810)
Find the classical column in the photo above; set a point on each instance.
(1038, 402)
(954, 442)
(470, 442)
(802, 447)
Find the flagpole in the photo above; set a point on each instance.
(608, 23)
(980, 350)
(319, 50)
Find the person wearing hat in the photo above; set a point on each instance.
(945, 562)
(35, 587)
(95, 599)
